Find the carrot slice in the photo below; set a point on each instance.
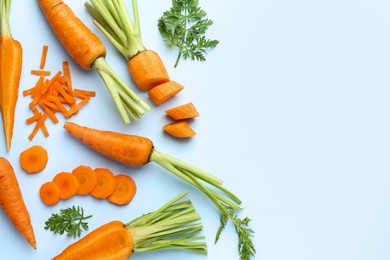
(45, 48)
(179, 129)
(33, 159)
(165, 91)
(86, 178)
(67, 183)
(106, 183)
(185, 111)
(49, 193)
(125, 190)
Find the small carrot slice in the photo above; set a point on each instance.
(106, 183)
(124, 191)
(185, 111)
(179, 129)
(49, 193)
(67, 183)
(33, 159)
(165, 91)
(86, 178)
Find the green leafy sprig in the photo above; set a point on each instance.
(69, 220)
(184, 26)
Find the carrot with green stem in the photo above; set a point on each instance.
(10, 71)
(173, 226)
(139, 151)
(113, 19)
(12, 203)
(88, 51)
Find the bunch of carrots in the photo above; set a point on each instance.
(101, 183)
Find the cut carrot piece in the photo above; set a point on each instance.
(86, 178)
(39, 125)
(125, 190)
(147, 70)
(49, 193)
(45, 48)
(185, 111)
(106, 183)
(179, 129)
(40, 72)
(165, 91)
(33, 159)
(67, 183)
(84, 92)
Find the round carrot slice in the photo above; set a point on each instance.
(49, 193)
(67, 183)
(106, 183)
(125, 190)
(86, 178)
(33, 159)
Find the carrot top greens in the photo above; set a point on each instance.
(184, 26)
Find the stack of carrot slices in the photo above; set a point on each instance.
(100, 183)
(54, 95)
(180, 128)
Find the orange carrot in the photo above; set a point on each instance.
(179, 129)
(138, 151)
(186, 111)
(12, 203)
(67, 183)
(147, 70)
(45, 48)
(165, 91)
(125, 190)
(106, 183)
(173, 226)
(86, 178)
(10, 72)
(33, 159)
(40, 72)
(50, 193)
(39, 125)
(88, 51)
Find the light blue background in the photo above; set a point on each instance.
(294, 106)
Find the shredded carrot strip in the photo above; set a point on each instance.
(66, 69)
(41, 72)
(84, 92)
(43, 57)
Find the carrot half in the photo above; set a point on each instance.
(113, 19)
(185, 111)
(138, 151)
(12, 203)
(10, 72)
(88, 51)
(179, 129)
(173, 226)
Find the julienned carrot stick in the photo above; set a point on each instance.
(33, 159)
(113, 19)
(185, 111)
(124, 191)
(10, 72)
(165, 91)
(173, 226)
(12, 203)
(138, 151)
(180, 129)
(89, 52)
(106, 183)
(45, 49)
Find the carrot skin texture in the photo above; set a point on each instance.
(147, 70)
(110, 241)
(79, 41)
(12, 203)
(128, 149)
(10, 72)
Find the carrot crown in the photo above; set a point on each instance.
(113, 19)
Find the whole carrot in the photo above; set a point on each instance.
(138, 151)
(89, 52)
(10, 71)
(12, 203)
(173, 226)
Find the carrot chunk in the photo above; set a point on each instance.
(67, 183)
(185, 111)
(86, 178)
(106, 183)
(125, 190)
(49, 193)
(33, 159)
(165, 91)
(179, 129)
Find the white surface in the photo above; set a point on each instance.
(294, 106)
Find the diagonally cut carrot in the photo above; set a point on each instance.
(165, 91)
